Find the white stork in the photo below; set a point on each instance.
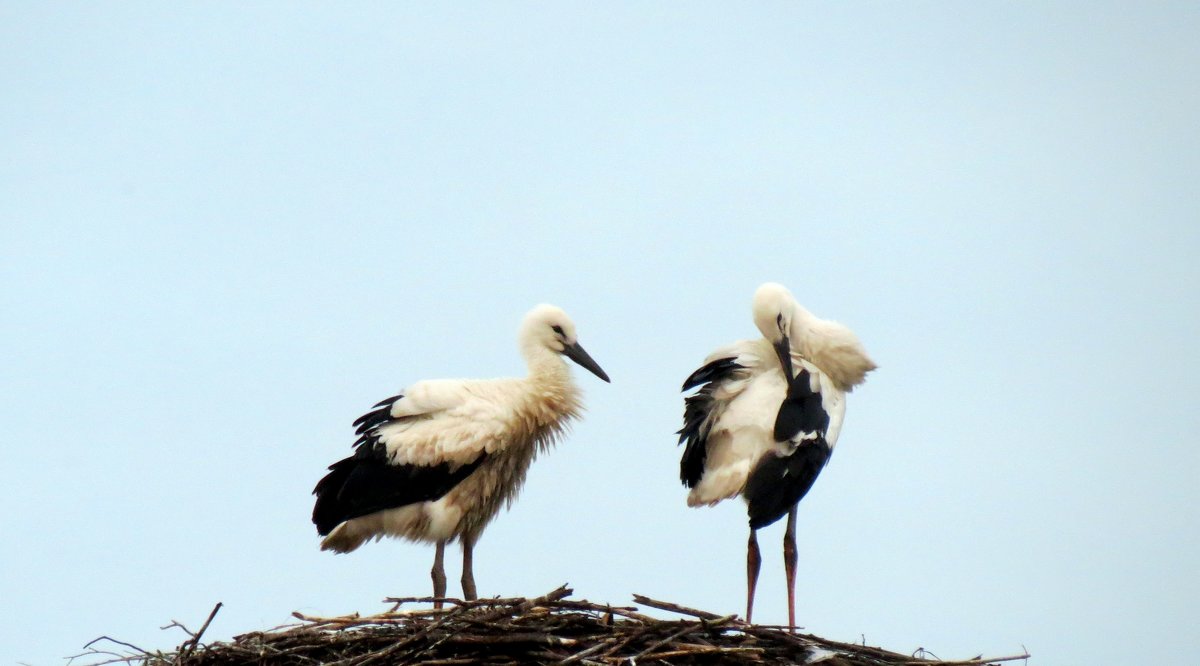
(766, 418)
(438, 461)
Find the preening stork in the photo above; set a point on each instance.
(437, 462)
(766, 418)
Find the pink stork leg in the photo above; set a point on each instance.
(753, 560)
(789, 566)
(468, 573)
(439, 574)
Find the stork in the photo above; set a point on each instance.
(437, 462)
(766, 418)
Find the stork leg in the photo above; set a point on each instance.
(439, 574)
(753, 560)
(468, 573)
(789, 566)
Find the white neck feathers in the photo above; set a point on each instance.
(832, 347)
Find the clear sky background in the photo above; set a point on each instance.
(226, 230)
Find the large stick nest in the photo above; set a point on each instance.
(550, 629)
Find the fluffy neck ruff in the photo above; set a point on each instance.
(553, 398)
(832, 347)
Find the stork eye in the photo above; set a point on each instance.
(557, 329)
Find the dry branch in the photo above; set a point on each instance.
(674, 608)
(549, 629)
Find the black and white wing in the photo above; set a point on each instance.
(727, 423)
(375, 478)
(806, 428)
(718, 379)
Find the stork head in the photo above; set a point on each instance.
(774, 310)
(548, 326)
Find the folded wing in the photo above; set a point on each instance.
(804, 442)
(413, 447)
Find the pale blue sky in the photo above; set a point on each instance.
(228, 229)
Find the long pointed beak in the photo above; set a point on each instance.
(577, 354)
(783, 349)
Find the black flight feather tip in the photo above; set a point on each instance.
(380, 413)
(712, 372)
(369, 481)
(778, 483)
(695, 412)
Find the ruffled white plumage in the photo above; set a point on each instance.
(452, 420)
(740, 424)
(439, 461)
(767, 417)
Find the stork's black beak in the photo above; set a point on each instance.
(783, 349)
(577, 354)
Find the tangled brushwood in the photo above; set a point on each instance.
(550, 629)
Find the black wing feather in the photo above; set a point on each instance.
(388, 401)
(712, 372)
(777, 483)
(801, 411)
(372, 419)
(369, 481)
(696, 409)
(363, 484)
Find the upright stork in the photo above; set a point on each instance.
(766, 418)
(437, 462)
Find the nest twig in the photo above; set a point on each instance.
(549, 629)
